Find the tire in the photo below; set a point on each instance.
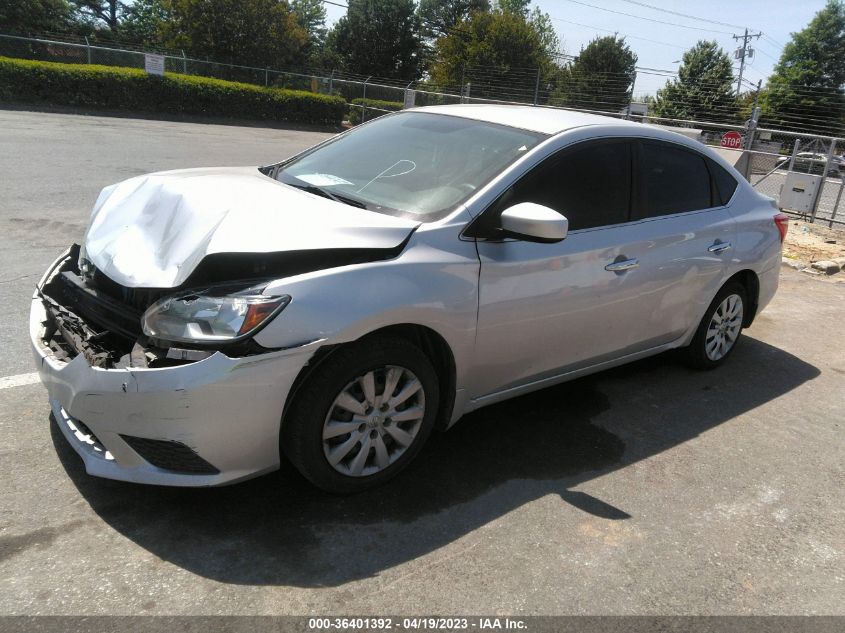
(700, 353)
(317, 428)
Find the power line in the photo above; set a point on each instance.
(639, 17)
(773, 41)
(657, 70)
(635, 37)
(683, 15)
(760, 50)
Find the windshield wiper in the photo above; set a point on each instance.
(331, 196)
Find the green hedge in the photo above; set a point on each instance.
(117, 88)
(355, 109)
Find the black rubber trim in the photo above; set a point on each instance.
(170, 455)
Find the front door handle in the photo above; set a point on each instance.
(626, 264)
(719, 247)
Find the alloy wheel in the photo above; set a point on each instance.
(373, 421)
(724, 328)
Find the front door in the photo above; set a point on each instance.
(547, 306)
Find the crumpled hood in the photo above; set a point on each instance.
(152, 231)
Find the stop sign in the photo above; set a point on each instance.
(732, 140)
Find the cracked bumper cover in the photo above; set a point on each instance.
(227, 410)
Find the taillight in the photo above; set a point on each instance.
(782, 222)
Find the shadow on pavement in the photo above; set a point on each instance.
(279, 530)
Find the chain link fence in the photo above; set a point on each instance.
(805, 173)
(767, 157)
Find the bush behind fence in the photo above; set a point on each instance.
(132, 89)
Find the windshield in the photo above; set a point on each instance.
(411, 164)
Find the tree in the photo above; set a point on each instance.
(704, 89)
(249, 32)
(805, 89)
(542, 24)
(311, 15)
(439, 17)
(379, 38)
(601, 77)
(109, 11)
(516, 7)
(27, 17)
(143, 21)
(495, 52)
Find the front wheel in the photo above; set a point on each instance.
(363, 416)
(719, 329)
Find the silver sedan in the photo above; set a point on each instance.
(339, 306)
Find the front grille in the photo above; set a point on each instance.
(137, 298)
(98, 308)
(170, 455)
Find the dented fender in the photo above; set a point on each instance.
(432, 283)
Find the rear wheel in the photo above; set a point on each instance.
(363, 416)
(719, 329)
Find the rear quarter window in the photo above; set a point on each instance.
(725, 184)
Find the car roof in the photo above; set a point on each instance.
(535, 118)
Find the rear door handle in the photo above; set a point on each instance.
(719, 247)
(627, 264)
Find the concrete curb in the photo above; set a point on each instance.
(795, 264)
(827, 267)
(824, 267)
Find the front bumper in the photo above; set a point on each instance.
(226, 411)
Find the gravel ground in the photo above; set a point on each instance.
(810, 243)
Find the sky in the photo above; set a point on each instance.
(659, 45)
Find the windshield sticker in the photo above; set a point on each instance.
(323, 180)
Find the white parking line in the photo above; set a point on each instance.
(19, 381)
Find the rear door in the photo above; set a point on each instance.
(679, 204)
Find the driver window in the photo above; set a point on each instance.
(589, 184)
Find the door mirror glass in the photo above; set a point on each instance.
(534, 223)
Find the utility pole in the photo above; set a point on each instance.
(631, 98)
(742, 53)
(751, 124)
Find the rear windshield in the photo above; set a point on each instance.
(410, 164)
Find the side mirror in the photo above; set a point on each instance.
(534, 223)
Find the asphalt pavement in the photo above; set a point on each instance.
(647, 489)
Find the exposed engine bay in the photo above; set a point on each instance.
(93, 316)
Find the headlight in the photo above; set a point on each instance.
(214, 315)
(86, 268)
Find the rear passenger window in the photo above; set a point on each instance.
(590, 185)
(672, 180)
(725, 183)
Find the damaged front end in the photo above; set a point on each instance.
(82, 319)
(143, 410)
(112, 325)
(88, 314)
